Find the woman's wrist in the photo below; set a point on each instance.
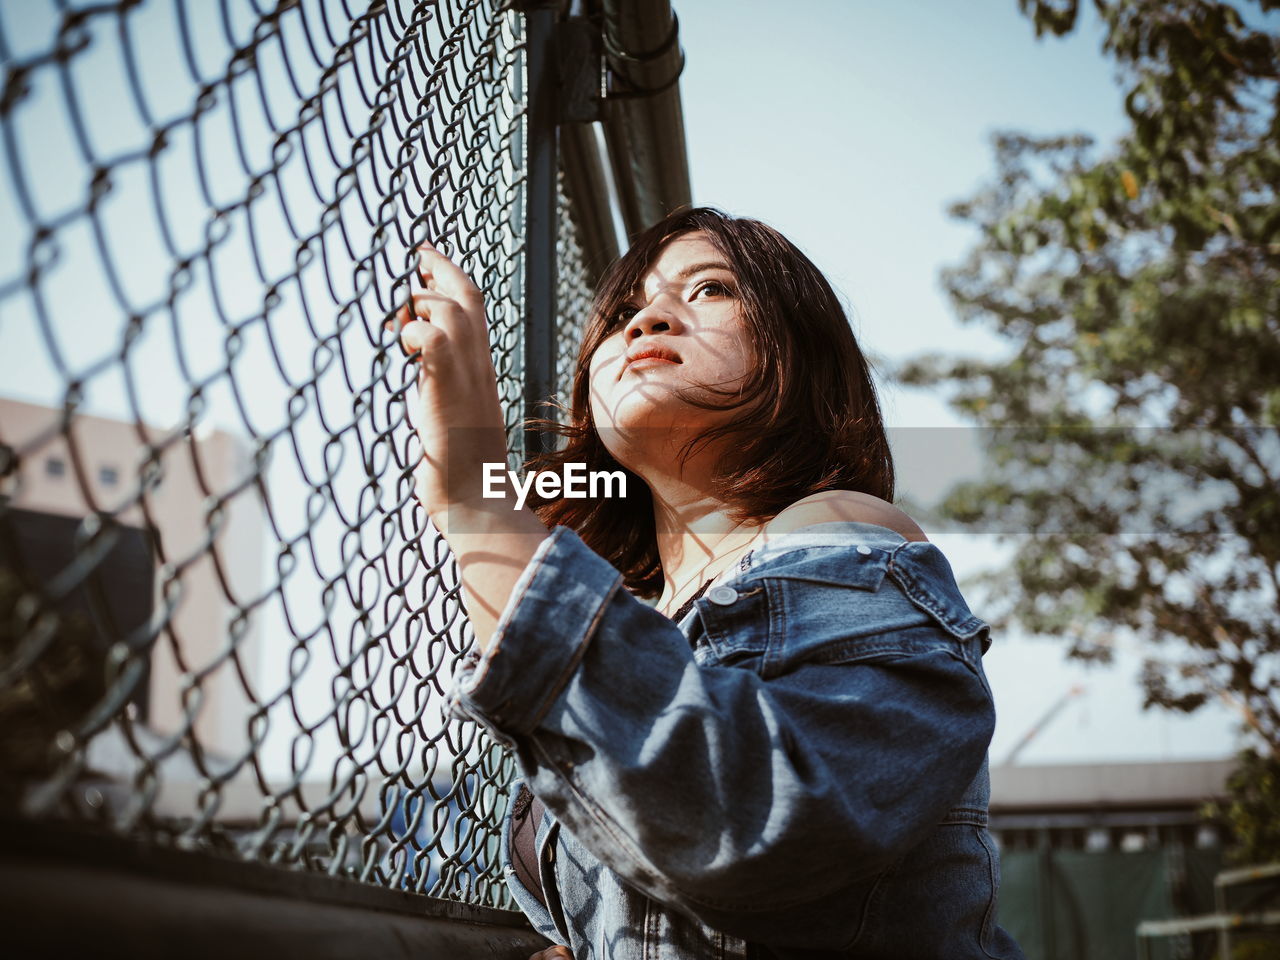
(481, 516)
(493, 543)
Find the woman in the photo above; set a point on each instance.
(787, 756)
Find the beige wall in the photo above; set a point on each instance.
(193, 471)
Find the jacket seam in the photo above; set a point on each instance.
(975, 810)
(854, 650)
(869, 904)
(648, 916)
(553, 895)
(775, 642)
(964, 819)
(988, 916)
(574, 660)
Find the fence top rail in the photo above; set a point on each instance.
(97, 886)
(1229, 878)
(1210, 921)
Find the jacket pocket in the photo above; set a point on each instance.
(734, 626)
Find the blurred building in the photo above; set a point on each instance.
(1089, 851)
(133, 531)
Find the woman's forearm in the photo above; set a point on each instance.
(493, 543)
(459, 420)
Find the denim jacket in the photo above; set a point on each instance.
(798, 769)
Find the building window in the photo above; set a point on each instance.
(1132, 842)
(55, 467)
(1207, 837)
(108, 476)
(1097, 840)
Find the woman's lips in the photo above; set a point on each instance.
(647, 358)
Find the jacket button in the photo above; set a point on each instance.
(722, 595)
(864, 550)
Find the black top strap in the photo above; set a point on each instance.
(688, 604)
(525, 817)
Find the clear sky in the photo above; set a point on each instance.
(847, 124)
(851, 126)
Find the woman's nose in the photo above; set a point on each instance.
(653, 318)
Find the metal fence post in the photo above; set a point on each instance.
(541, 158)
(1220, 905)
(1047, 896)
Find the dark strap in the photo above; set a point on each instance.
(525, 817)
(688, 604)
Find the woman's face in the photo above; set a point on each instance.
(682, 330)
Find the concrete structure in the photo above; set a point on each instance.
(1125, 806)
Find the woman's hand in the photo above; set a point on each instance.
(553, 953)
(459, 420)
(458, 415)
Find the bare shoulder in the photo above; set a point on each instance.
(833, 505)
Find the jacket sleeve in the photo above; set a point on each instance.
(749, 803)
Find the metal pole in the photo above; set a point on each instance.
(1047, 927)
(1220, 904)
(644, 125)
(540, 215)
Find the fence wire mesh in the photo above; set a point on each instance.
(573, 296)
(225, 623)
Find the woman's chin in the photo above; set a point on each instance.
(643, 437)
(640, 412)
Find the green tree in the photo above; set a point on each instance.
(1132, 427)
(1252, 808)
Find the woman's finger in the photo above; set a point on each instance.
(398, 319)
(431, 307)
(441, 310)
(553, 953)
(420, 337)
(449, 278)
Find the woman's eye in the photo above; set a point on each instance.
(714, 287)
(624, 314)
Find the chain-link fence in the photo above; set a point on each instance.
(573, 295)
(225, 623)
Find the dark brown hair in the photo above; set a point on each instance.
(818, 425)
